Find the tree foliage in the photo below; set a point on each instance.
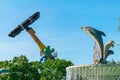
(21, 69)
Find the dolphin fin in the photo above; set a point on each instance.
(102, 33)
(109, 53)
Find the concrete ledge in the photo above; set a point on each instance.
(93, 72)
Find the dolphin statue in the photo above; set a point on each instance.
(97, 37)
(106, 49)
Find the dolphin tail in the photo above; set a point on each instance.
(101, 60)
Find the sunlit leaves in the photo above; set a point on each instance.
(21, 69)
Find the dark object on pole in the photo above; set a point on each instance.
(24, 24)
(4, 71)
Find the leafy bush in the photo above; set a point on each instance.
(21, 69)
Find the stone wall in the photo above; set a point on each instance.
(93, 72)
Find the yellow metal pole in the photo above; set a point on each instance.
(36, 39)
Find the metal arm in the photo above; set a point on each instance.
(43, 49)
(36, 39)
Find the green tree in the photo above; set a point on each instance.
(119, 24)
(55, 69)
(21, 69)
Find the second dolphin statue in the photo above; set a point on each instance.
(108, 52)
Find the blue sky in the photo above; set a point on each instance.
(59, 26)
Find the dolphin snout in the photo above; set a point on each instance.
(81, 27)
(113, 42)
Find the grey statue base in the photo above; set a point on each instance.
(94, 72)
